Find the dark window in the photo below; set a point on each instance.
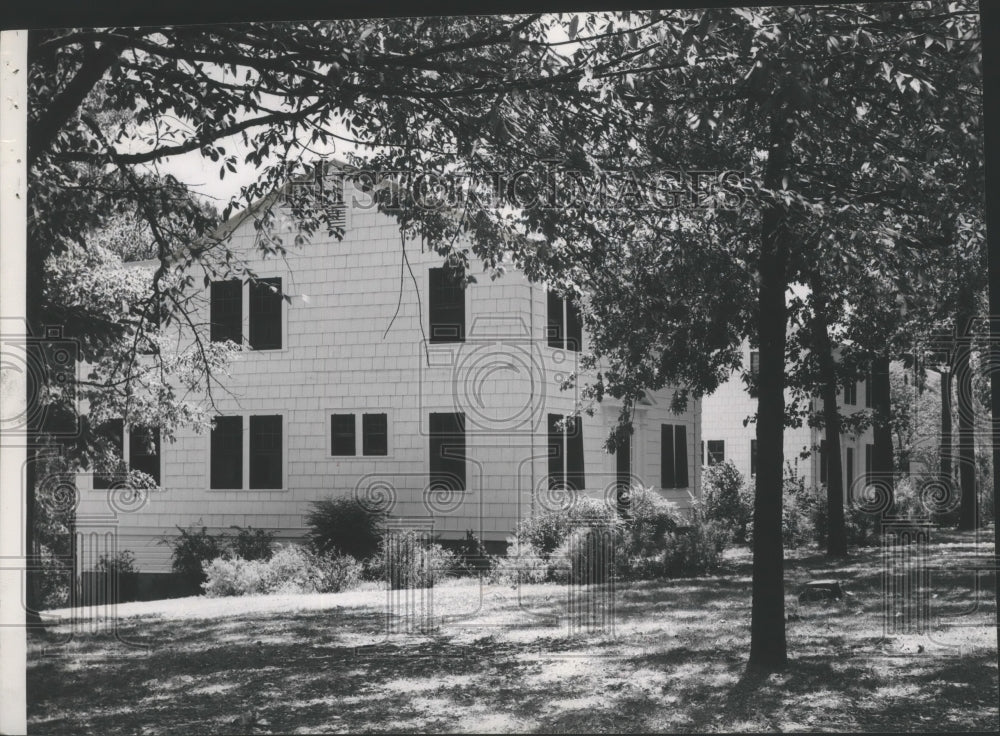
(849, 470)
(227, 311)
(868, 391)
(869, 454)
(753, 457)
(575, 476)
(227, 453)
(850, 393)
(716, 452)
(574, 327)
(822, 461)
(375, 434)
(673, 456)
(265, 452)
(703, 452)
(446, 305)
(111, 432)
(554, 329)
(623, 468)
(566, 464)
(265, 314)
(144, 451)
(342, 434)
(564, 325)
(447, 451)
(754, 363)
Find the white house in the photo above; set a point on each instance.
(444, 414)
(726, 437)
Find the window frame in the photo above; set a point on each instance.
(559, 336)
(358, 413)
(245, 445)
(125, 453)
(708, 452)
(433, 439)
(433, 338)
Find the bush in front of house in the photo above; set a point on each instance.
(471, 556)
(251, 544)
(523, 564)
(590, 555)
(650, 517)
(290, 569)
(120, 567)
(727, 499)
(345, 526)
(409, 559)
(192, 548)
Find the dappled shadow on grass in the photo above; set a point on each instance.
(672, 659)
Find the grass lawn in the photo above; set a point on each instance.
(501, 660)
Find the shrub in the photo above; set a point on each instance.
(407, 559)
(548, 530)
(343, 525)
(191, 549)
(522, 564)
(471, 556)
(728, 500)
(121, 568)
(589, 554)
(696, 550)
(291, 569)
(650, 518)
(251, 544)
(859, 525)
(799, 508)
(54, 580)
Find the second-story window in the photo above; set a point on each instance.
(374, 434)
(144, 451)
(850, 393)
(265, 314)
(564, 326)
(446, 305)
(342, 434)
(227, 311)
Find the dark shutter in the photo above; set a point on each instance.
(227, 311)
(668, 478)
(849, 469)
(112, 432)
(265, 314)
(754, 363)
(556, 453)
(753, 457)
(574, 327)
(342, 434)
(869, 450)
(575, 474)
(680, 456)
(446, 306)
(144, 451)
(822, 461)
(447, 451)
(375, 434)
(623, 468)
(554, 320)
(265, 452)
(227, 453)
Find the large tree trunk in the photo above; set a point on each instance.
(944, 450)
(966, 432)
(767, 620)
(836, 534)
(882, 464)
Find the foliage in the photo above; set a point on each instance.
(650, 517)
(547, 530)
(191, 548)
(408, 559)
(589, 554)
(291, 569)
(55, 578)
(727, 499)
(471, 556)
(344, 525)
(524, 563)
(251, 544)
(121, 563)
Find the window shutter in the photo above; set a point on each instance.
(113, 432)
(265, 452)
(447, 451)
(265, 314)
(226, 311)
(144, 451)
(680, 456)
(574, 327)
(554, 320)
(556, 452)
(374, 434)
(575, 473)
(227, 453)
(668, 477)
(446, 305)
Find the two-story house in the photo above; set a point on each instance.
(438, 404)
(728, 436)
